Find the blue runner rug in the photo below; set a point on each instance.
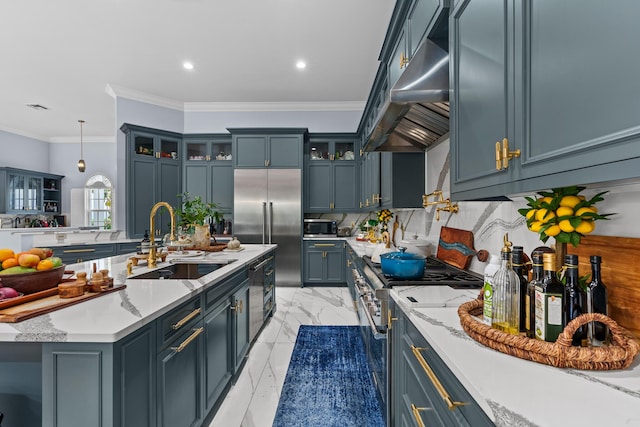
(328, 382)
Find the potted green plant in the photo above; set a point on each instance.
(191, 215)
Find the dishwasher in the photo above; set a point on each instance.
(256, 296)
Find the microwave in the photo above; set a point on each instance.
(320, 228)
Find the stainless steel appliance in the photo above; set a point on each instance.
(256, 296)
(317, 227)
(373, 308)
(268, 210)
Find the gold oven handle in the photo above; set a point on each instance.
(416, 414)
(451, 404)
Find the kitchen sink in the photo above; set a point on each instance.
(184, 270)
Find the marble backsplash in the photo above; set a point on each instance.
(489, 221)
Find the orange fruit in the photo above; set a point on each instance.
(565, 225)
(6, 254)
(544, 215)
(586, 227)
(552, 231)
(564, 211)
(569, 201)
(45, 264)
(586, 209)
(9, 262)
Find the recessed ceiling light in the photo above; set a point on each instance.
(187, 65)
(300, 65)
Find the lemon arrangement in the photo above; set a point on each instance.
(383, 217)
(563, 213)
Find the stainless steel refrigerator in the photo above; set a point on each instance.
(268, 209)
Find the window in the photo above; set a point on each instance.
(99, 196)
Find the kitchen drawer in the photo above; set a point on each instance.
(212, 296)
(179, 320)
(79, 253)
(126, 248)
(425, 374)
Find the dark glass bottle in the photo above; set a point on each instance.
(530, 307)
(571, 297)
(517, 262)
(146, 243)
(597, 298)
(549, 301)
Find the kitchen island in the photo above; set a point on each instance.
(153, 353)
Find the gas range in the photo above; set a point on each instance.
(436, 273)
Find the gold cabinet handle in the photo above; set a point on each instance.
(348, 263)
(157, 154)
(269, 273)
(327, 245)
(416, 414)
(186, 342)
(404, 60)
(503, 154)
(77, 251)
(376, 198)
(360, 205)
(451, 404)
(390, 319)
(237, 307)
(186, 319)
(208, 158)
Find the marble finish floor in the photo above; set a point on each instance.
(253, 400)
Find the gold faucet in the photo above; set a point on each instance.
(440, 200)
(151, 259)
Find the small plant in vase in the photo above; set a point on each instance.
(383, 217)
(192, 214)
(564, 214)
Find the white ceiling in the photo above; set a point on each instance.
(64, 54)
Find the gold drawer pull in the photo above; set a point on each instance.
(237, 307)
(269, 273)
(327, 245)
(185, 319)
(77, 251)
(416, 414)
(186, 342)
(390, 319)
(434, 380)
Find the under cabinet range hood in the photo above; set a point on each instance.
(416, 113)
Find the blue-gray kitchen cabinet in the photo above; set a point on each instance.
(401, 180)
(331, 177)
(421, 381)
(29, 192)
(504, 88)
(153, 174)
(78, 253)
(217, 359)
(208, 169)
(240, 308)
(324, 262)
(370, 181)
(267, 147)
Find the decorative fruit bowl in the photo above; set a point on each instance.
(28, 283)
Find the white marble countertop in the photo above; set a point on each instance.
(111, 317)
(516, 392)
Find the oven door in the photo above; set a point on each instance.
(375, 345)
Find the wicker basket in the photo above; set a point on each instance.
(215, 247)
(618, 355)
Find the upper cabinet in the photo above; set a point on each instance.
(531, 107)
(29, 192)
(208, 169)
(267, 147)
(154, 174)
(330, 175)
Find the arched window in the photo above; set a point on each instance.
(99, 197)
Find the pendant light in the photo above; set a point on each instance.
(81, 165)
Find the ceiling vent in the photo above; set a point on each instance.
(37, 107)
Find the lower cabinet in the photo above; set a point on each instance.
(79, 253)
(324, 262)
(424, 391)
(173, 372)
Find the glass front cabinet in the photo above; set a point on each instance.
(29, 192)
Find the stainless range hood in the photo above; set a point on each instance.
(416, 114)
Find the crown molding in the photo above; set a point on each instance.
(23, 133)
(136, 95)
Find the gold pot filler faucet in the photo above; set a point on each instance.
(439, 201)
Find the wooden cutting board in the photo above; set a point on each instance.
(620, 274)
(32, 305)
(455, 247)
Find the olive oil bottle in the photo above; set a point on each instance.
(506, 294)
(549, 301)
